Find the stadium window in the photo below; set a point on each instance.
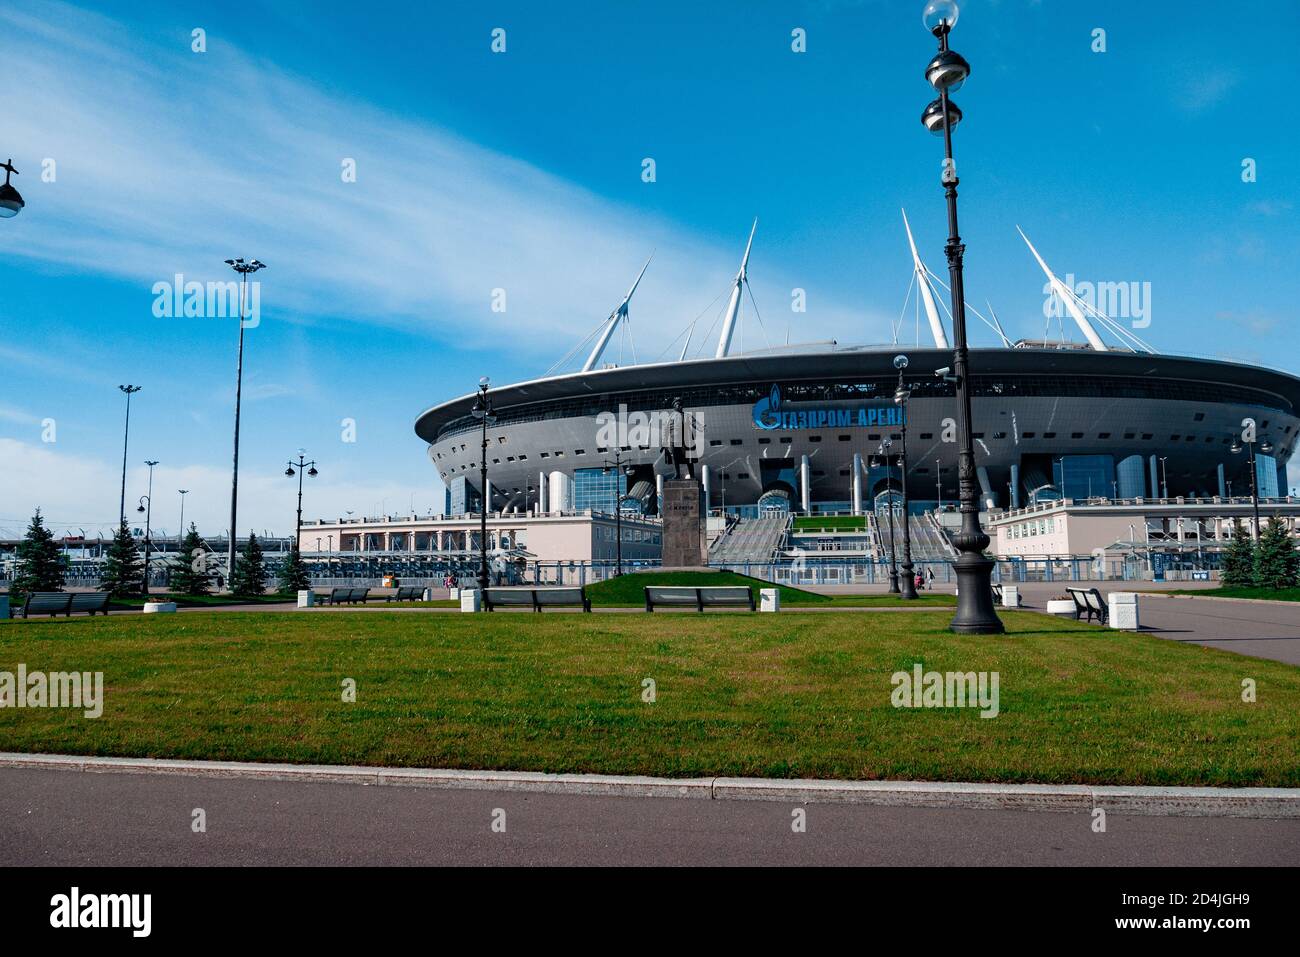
(579, 451)
(501, 440)
(737, 441)
(927, 435)
(1147, 436)
(715, 441)
(1028, 435)
(814, 438)
(844, 471)
(1103, 435)
(742, 476)
(1191, 438)
(849, 438)
(785, 440)
(764, 441)
(1076, 435)
(1199, 417)
(876, 437)
(559, 455)
(977, 435)
(1130, 435)
(999, 435)
(511, 458)
(922, 471)
(1049, 435)
(546, 455)
(522, 456)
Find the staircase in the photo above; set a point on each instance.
(749, 540)
(929, 542)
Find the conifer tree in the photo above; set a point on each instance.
(249, 577)
(40, 567)
(293, 573)
(1275, 558)
(191, 574)
(120, 573)
(1238, 568)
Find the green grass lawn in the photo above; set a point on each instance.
(1271, 594)
(836, 523)
(628, 591)
(204, 601)
(789, 695)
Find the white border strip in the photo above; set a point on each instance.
(1160, 801)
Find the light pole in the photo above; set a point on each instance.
(183, 493)
(146, 505)
(1164, 477)
(1266, 447)
(946, 72)
(619, 472)
(126, 435)
(901, 394)
(243, 268)
(11, 203)
(483, 411)
(938, 484)
(310, 467)
(884, 457)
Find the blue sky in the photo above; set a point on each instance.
(522, 171)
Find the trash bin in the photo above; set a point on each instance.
(390, 581)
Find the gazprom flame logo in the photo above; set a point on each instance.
(767, 411)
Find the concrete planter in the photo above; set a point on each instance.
(1061, 607)
(159, 607)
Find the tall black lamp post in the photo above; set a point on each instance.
(619, 471)
(884, 457)
(310, 469)
(11, 204)
(1266, 447)
(483, 411)
(126, 437)
(146, 505)
(907, 583)
(946, 72)
(243, 268)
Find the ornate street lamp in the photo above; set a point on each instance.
(243, 268)
(11, 203)
(946, 73)
(1266, 448)
(907, 583)
(483, 411)
(145, 505)
(620, 471)
(310, 469)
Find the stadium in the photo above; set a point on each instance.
(800, 429)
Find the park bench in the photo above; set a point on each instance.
(47, 603)
(997, 593)
(536, 598)
(1088, 602)
(683, 596)
(90, 602)
(406, 593)
(348, 596)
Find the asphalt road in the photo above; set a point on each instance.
(50, 817)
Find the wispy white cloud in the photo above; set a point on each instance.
(170, 161)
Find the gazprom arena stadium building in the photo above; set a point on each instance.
(801, 428)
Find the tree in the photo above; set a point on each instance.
(1238, 568)
(120, 573)
(249, 577)
(1275, 558)
(40, 566)
(191, 575)
(293, 573)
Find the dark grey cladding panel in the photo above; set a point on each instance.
(1275, 389)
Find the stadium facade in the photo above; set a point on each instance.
(800, 428)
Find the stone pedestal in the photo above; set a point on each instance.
(471, 600)
(306, 599)
(1123, 611)
(1010, 596)
(685, 544)
(769, 599)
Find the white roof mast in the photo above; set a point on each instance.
(1067, 297)
(612, 322)
(733, 307)
(927, 297)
